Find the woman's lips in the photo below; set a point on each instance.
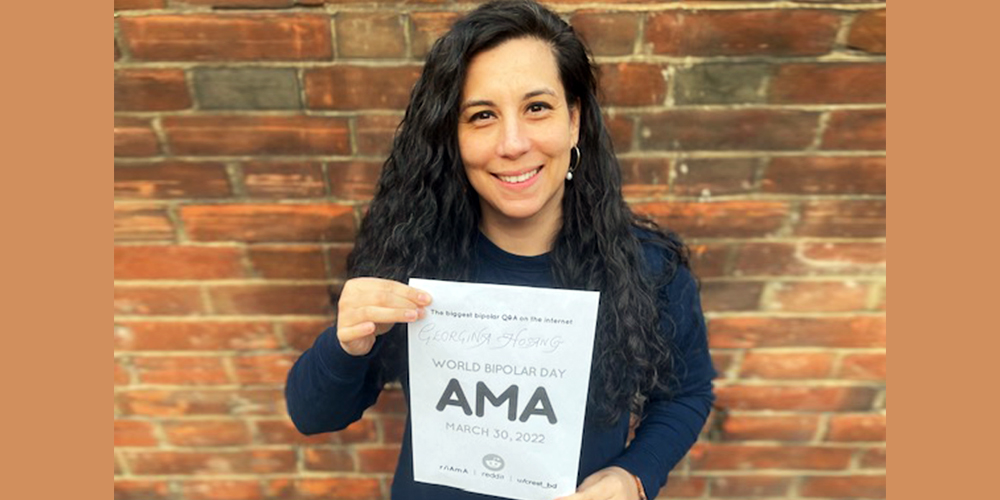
(519, 178)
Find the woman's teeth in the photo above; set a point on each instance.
(520, 178)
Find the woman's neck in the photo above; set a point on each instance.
(527, 238)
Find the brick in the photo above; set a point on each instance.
(300, 335)
(353, 180)
(325, 459)
(194, 336)
(267, 223)
(391, 402)
(829, 83)
(360, 87)
(370, 34)
(141, 222)
(181, 370)
(138, 4)
(722, 361)
(134, 433)
(380, 459)
(177, 262)
(864, 427)
(375, 134)
(741, 457)
(728, 130)
(793, 428)
(753, 397)
(207, 433)
(826, 175)
(645, 177)
(856, 129)
(607, 33)
(271, 299)
(118, 51)
(770, 365)
(269, 179)
(263, 368)
(837, 332)
(731, 295)
(721, 84)
(708, 260)
(338, 260)
(151, 90)
(121, 374)
(729, 218)
(679, 486)
(345, 488)
(842, 218)
(171, 179)
(843, 487)
(172, 300)
(393, 428)
(283, 432)
(810, 259)
(287, 262)
(202, 402)
(230, 489)
(247, 88)
(863, 367)
(632, 84)
(873, 459)
(750, 486)
(243, 3)
(715, 176)
(783, 32)
(868, 32)
(247, 461)
(134, 137)
(812, 296)
(207, 37)
(257, 135)
(140, 489)
(621, 129)
(427, 27)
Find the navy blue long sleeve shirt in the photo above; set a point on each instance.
(329, 389)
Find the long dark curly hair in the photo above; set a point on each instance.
(424, 218)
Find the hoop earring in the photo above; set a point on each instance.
(569, 173)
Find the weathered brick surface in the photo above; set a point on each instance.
(257, 135)
(247, 88)
(722, 84)
(151, 90)
(202, 37)
(249, 138)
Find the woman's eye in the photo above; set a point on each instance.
(482, 115)
(538, 107)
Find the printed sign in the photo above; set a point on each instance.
(498, 387)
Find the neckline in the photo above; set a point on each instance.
(496, 255)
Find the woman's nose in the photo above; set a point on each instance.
(514, 141)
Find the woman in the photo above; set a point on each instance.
(502, 171)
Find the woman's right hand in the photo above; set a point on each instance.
(369, 307)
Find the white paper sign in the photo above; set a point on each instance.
(498, 387)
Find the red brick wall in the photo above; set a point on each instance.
(248, 134)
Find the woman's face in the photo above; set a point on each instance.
(515, 133)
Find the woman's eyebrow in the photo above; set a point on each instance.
(529, 95)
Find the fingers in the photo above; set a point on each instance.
(371, 306)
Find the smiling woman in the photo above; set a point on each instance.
(502, 171)
(515, 133)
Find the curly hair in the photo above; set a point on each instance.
(424, 218)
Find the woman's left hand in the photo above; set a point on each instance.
(612, 483)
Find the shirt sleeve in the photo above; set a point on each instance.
(671, 423)
(329, 389)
